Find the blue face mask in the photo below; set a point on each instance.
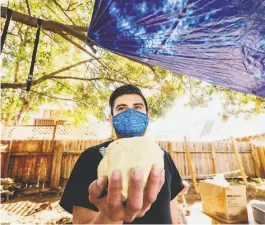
(130, 123)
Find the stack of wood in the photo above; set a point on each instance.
(8, 188)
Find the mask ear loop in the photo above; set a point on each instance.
(33, 59)
(8, 18)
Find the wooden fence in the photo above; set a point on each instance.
(48, 163)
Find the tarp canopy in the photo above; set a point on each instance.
(218, 41)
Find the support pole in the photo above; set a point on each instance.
(191, 168)
(239, 162)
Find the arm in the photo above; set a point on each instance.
(111, 207)
(87, 216)
(82, 195)
(174, 210)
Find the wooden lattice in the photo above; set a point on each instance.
(74, 133)
(51, 132)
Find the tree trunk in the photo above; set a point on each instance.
(8, 119)
(22, 113)
(25, 108)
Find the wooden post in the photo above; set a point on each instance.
(57, 164)
(191, 169)
(239, 162)
(7, 159)
(213, 158)
(261, 151)
(256, 162)
(171, 150)
(53, 137)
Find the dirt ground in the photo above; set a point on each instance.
(34, 209)
(45, 209)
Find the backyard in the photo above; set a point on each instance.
(43, 208)
(34, 172)
(191, 76)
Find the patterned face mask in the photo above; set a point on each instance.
(130, 123)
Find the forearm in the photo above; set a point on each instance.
(102, 219)
(174, 209)
(87, 216)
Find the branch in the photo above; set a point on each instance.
(43, 78)
(28, 7)
(50, 96)
(56, 3)
(74, 78)
(98, 90)
(56, 14)
(48, 25)
(52, 38)
(86, 79)
(65, 86)
(57, 28)
(78, 28)
(77, 45)
(134, 60)
(71, 5)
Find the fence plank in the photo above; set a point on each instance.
(170, 149)
(198, 162)
(213, 155)
(191, 169)
(57, 164)
(7, 159)
(261, 152)
(31, 153)
(239, 162)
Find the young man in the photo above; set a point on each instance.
(84, 193)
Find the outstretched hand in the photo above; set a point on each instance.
(139, 200)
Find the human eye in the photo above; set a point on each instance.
(138, 107)
(121, 108)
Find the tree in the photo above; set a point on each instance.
(68, 70)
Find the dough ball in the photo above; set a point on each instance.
(128, 153)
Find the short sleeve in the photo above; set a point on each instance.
(83, 174)
(176, 185)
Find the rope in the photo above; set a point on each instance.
(33, 59)
(3, 37)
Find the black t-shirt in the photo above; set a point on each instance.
(85, 172)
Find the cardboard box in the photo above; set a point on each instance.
(225, 203)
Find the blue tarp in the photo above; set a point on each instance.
(218, 41)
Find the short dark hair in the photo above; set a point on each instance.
(126, 89)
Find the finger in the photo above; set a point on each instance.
(114, 198)
(152, 187)
(135, 195)
(96, 188)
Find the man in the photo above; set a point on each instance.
(85, 195)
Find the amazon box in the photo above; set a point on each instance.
(224, 202)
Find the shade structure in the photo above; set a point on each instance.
(218, 41)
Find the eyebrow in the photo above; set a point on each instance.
(120, 105)
(139, 104)
(135, 104)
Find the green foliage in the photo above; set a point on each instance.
(233, 103)
(55, 53)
